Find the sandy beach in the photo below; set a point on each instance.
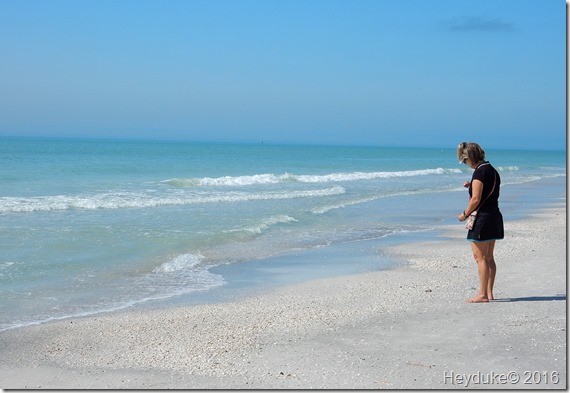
(408, 327)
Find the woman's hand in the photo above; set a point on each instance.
(462, 217)
(467, 184)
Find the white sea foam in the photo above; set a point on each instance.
(266, 223)
(355, 176)
(179, 263)
(149, 199)
(233, 181)
(182, 274)
(268, 178)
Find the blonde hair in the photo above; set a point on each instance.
(470, 150)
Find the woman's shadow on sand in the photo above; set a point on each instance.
(532, 299)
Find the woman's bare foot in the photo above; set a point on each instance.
(478, 299)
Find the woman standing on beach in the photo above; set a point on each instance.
(484, 208)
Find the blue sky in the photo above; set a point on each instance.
(364, 72)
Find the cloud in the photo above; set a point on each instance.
(477, 23)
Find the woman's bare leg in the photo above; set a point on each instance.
(480, 252)
(492, 269)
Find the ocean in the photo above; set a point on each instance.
(89, 226)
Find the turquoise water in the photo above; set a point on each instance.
(89, 226)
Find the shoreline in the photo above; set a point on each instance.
(406, 327)
(305, 264)
(298, 266)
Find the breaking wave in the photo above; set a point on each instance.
(268, 178)
(121, 200)
(265, 224)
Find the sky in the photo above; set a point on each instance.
(358, 72)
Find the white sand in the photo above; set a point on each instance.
(404, 328)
